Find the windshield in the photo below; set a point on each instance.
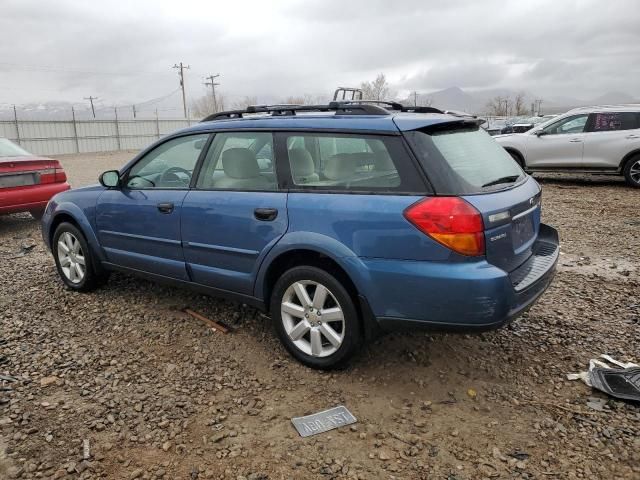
(464, 161)
(10, 149)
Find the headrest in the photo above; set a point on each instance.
(340, 166)
(240, 163)
(301, 162)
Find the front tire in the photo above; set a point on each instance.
(73, 258)
(631, 171)
(315, 318)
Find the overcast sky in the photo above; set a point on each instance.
(122, 51)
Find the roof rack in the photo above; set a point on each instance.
(342, 108)
(343, 91)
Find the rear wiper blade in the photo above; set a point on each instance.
(507, 179)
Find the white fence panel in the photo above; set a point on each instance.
(62, 137)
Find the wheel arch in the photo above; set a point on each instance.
(627, 158)
(74, 215)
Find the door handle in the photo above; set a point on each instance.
(265, 214)
(630, 137)
(575, 140)
(165, 207)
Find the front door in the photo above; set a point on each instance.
(235, 213)
(139, 223)
(560, 145)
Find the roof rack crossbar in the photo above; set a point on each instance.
(341, 108)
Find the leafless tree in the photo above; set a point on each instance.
(379, 89)
(518, 104)
(204, 106)
(306, 99)
(499, 106)
(244, 102)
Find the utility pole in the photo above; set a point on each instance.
(213, 86)
(91, 99)
(181, 68)
(134, 110)
(415, 98)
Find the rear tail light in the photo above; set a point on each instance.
(53, 175)
(450, 221)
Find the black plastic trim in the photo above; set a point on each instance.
(197, 287)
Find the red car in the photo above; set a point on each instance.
(27, 181)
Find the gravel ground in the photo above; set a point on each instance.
(159, 395)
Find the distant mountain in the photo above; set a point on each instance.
(476, 101)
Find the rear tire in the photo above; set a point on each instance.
(74, 260)
(631, 171)
(315, 318)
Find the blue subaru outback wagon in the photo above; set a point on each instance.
(340, 220)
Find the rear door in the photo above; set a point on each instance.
(610, 136)
(235, 213)
(139, 223)
(560, 145)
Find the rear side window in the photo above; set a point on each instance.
(350, 162)
(612, 121)
(464, 161)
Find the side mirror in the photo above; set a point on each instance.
(539, 133)
(110, 179)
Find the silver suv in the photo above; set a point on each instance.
(603, 139)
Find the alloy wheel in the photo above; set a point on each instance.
(313, 318)
(71, 258)
(634, 172)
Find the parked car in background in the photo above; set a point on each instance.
(527, 124)
(602, 140)
(360, 219)
(27, 181)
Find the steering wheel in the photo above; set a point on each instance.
(171, 172)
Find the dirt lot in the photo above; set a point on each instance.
(158, 395)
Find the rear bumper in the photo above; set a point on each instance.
(33, 197)
(464, 296)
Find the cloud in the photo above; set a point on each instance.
(122, 51)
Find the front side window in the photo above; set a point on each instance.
(612, 121)
(573, 124)
(343, 162)
(464, 161)
(239, 161)
(169, 165)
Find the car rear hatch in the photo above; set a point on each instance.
(29, 171)
(461, 160)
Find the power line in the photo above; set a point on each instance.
(91, 99)
(213, 85)
(52, 68)
(181, 68)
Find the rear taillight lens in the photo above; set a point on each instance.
(450, 221)
(53, 175)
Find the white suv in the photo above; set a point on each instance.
(604, 140)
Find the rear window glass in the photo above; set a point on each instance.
(465, 161)
(611, 121)
(10, 149)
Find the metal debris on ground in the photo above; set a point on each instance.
(622, 382)
(215, 326)
(323, 421)
(86, 449)
(24, 249)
